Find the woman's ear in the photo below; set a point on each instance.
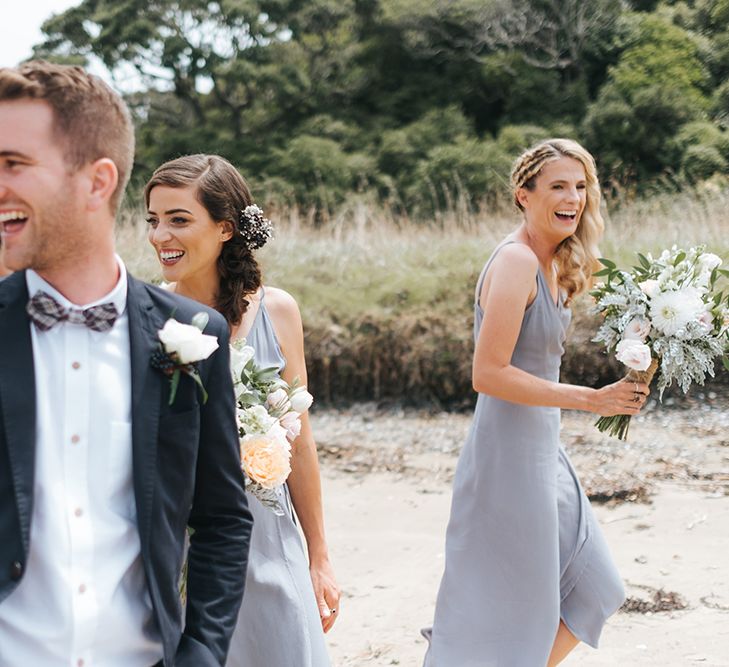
(227, 229)
(522, 196)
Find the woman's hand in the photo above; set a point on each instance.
(620, 398)
(326, 591)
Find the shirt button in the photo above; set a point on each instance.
(16, 570)
(75, 439)
(75, 365)
(78, 511)
(82, 588)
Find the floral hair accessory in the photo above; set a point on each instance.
(255, 229)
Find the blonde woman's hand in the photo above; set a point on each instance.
(620, 398)
(326, 591)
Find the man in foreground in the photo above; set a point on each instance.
(100, 471)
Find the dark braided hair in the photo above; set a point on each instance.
(224, 194)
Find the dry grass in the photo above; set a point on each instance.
(387, 302)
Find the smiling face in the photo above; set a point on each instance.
(41, 195)
(187, 240)
(554, 205)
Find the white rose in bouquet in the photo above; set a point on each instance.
(240, 355)
(301, 400)
(706, 320)
(187, 342)
(638, 329)
(278, 400)
(292, 423)
(634, 354)
(649, 287)
(708, 261)
(255, 420)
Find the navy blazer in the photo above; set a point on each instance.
(186, 471)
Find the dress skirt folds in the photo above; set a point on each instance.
(523, 548)
(278, 624)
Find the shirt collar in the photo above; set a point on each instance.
(117, 296)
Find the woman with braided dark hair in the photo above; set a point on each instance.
(527, 571)
(205, 228)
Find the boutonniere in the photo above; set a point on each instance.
(181, 346)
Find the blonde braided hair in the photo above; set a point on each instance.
(576, 257)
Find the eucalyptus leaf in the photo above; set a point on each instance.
(200, 320)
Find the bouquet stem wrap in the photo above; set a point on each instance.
(618, 425)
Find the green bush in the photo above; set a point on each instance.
(514, 139)
(656, 87)
(634, 138)
(701, 162)
(704, 133)
(467, 171)
(720, 103)
(400, 151)
(320, 172)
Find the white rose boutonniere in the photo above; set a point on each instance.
(181, 346)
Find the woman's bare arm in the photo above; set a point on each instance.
(508, 290)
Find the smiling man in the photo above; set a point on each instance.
(99, 475)
(4, 270)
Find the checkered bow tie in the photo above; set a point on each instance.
(46, 312)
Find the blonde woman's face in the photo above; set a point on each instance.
(555, 206)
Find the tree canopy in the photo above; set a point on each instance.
(421, 102)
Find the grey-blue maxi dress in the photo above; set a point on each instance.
(278, 624)
(523, 548)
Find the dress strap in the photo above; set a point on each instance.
(482, 277)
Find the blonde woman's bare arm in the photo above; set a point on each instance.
(507, 292)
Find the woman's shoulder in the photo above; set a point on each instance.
(280, 304)
(516, 258)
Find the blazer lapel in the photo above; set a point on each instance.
(147, 384)
(17, 394)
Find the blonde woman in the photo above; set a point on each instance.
(528, 574)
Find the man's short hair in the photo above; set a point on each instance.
(91, 121)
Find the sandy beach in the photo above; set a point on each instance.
(662, 499)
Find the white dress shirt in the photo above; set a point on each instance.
(83, 600)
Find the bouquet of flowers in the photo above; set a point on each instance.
(666, 313)
(269, 411)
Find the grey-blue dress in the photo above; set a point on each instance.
(278, 624)
(523, 548)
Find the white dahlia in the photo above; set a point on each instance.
(672, 311)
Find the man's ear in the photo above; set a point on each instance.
(103, 179)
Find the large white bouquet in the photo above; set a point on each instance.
(665, 314)
(269, 411)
